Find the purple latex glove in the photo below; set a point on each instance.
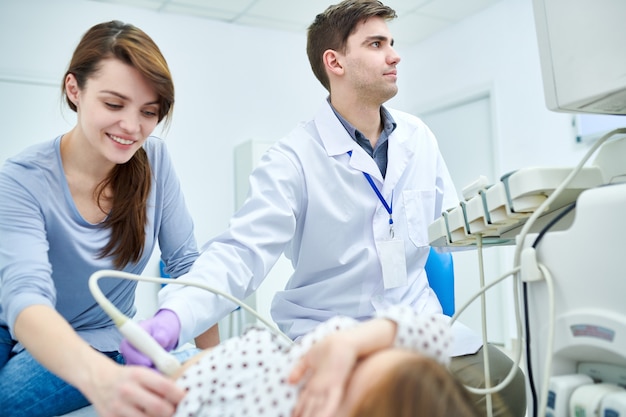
(164, 327)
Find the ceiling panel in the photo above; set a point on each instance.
(225, 15)
(299, 13)
(237, 5)
(417, 19)
(454, 10)
(146, 4)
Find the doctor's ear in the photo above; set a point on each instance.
(332, 62)
(71, 88)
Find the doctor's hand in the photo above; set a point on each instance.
(324, 371)
(134, 391)
(164, 327)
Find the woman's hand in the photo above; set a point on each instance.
(325, 370)
(113, 389)
(134, 391)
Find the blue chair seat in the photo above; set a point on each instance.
(440, 272)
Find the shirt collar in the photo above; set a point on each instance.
(389, 125)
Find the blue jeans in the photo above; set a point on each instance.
(6, 344)
(27, 389)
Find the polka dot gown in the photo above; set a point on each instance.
(247, 375)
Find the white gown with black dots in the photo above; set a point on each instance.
(247, 375)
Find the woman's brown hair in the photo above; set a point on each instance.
(130, 182)
(419, 387)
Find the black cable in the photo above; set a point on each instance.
(553, 222)
(529, 368)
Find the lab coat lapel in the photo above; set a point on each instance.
(337, 141)
(399, 153)
(363, 162)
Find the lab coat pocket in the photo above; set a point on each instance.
(419, 206)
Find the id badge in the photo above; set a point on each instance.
(393, 261)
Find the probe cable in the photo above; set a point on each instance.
(141, 339)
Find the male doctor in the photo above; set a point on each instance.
(348, 197)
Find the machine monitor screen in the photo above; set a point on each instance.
(582, 48)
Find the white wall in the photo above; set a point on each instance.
(235, 83)
(495, 51)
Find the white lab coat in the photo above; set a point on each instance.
(310, 199)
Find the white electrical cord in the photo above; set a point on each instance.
(518, 358)
(483, 316)
(139, 338)
(546, 203)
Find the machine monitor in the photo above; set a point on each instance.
(583, 54)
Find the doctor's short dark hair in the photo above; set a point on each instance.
(331, 29)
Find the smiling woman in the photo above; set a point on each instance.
(102, 195)
(111, 130)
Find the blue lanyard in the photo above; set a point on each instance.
(388, 207)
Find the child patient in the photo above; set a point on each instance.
(392, 365)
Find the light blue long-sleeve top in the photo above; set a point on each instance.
(48, 250)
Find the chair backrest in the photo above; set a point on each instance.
(162, 269)
(440, 272)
